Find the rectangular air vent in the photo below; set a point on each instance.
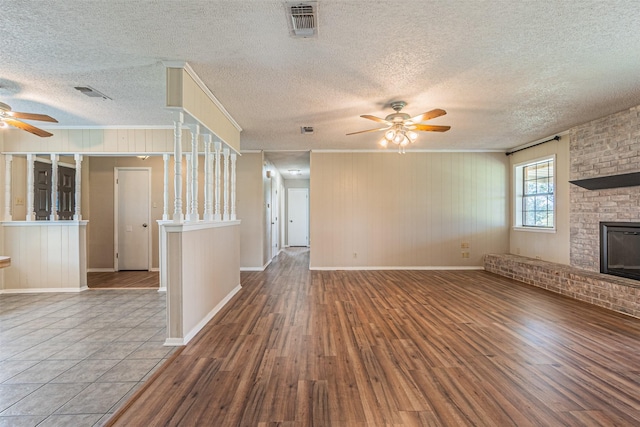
(89, 91)
(306, 130)
(303, 19)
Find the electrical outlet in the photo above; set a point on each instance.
(464, 245)
(465, 254)
(19, 201)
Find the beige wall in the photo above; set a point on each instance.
(416, 210)
(250, 209)
(96, 141)
(549, 246)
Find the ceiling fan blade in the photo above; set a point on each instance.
(31, 116)
(25, 126)
(428, 115)
(430, 128)
(368, 130)
(375, 119)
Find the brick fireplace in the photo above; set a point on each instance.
(603, 147)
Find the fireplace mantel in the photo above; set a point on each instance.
(611, 181)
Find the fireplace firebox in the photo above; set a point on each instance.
(620, 249)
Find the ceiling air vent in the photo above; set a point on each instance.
(306, 130)
(303, 19)
(89, 91)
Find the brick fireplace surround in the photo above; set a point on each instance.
(603, 147)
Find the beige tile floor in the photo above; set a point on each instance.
(74, 359)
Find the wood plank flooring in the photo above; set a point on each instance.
(401, 348)
(123, 280)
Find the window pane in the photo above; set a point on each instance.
(538, 194)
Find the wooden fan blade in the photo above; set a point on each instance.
(430, 128)
(375, 119)
(428, 115)
(25, 126)
(31, 116)
(368, 130)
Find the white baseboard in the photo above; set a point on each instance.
(203, 322)
(42, 290)
(475, 267)
(100, 270)
(155, 269)
(163, 289)
(264, 267)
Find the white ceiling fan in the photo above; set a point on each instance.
(400, 127)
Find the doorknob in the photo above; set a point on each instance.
(144, 225)
(290, 220)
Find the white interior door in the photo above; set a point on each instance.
(298, 216)
(133, 224)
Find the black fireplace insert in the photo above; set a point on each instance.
(620, 249)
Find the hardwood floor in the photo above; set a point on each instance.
(123, 280)
(403, 348)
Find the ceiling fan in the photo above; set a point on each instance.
(400, 127)
(8, 117)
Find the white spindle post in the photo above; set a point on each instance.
(178, 215)
(208, 181)
(7, 187)
(165, 189)
(189, 187)
(225, 209)
(30, 214)
(77, 215)
(193, 207)
(233, 187)
(54, 187)
(216, 213)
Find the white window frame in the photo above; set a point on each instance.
(518, 187)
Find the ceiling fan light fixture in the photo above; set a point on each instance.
(412, 135)
(390, 134)
(384, 142)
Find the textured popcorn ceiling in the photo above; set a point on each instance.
(507, 72)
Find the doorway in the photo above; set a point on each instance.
(298, 216)
(132, 219)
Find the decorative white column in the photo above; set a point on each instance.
(178, 215)
(30, 214)
(165, 189)
(233, 187)
(194, 216)
(189, 178)
(208, 179)
(77, 215)
(216, 212)
(53, 216)
(225, 209)
(7, 186)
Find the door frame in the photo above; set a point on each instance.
(116, 215)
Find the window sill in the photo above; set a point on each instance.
(534, 229)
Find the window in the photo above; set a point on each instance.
(535, 194)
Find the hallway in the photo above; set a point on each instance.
(414, 348)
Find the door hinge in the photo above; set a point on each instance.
(117, 180)
(117, 255)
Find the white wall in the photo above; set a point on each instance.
(416, 210)
(549, 246)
